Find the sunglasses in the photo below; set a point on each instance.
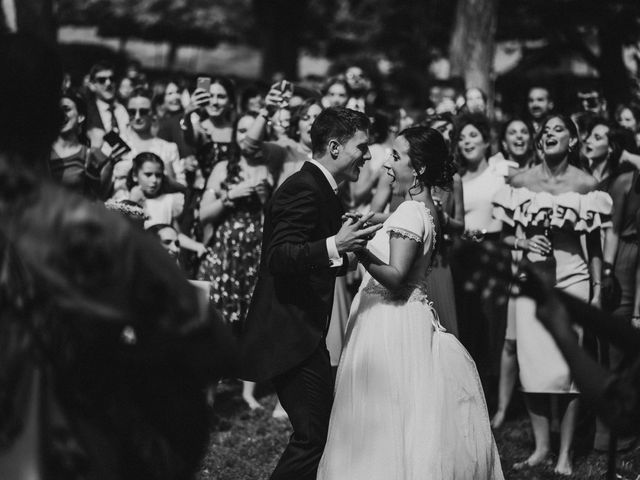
(143, 112)
(475, 236)
(103, 80)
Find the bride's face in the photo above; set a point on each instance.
(399, 163)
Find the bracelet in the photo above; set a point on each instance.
(596, 283)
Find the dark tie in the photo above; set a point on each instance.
(114, 122)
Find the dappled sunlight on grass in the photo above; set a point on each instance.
(246, 444)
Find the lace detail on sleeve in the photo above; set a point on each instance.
(400, 232)
(432, 222)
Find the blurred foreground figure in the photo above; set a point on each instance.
(614, 395)
(105, 348)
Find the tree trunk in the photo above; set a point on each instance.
(280, 23)
(472, 43)
(122, 44)
(616, 84)
(36, 18)
(172, 56)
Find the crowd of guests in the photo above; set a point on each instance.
(199, 160)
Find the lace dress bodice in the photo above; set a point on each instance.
(412, 220)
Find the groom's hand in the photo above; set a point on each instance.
(355, 233)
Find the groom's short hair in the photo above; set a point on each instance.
(338, 123)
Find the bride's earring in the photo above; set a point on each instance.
(415, 179)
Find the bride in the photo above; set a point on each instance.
(408, 402)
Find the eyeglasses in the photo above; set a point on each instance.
(103, 80)
(143, 112)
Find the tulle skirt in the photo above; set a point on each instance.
(408, 403)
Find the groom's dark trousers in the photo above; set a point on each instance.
(284, 337)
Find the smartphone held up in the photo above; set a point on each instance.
(203, 83)
(285, 88)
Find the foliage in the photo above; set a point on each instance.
(406, 32)
(197, 22)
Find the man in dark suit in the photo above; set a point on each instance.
(104, 113)
(304, 248)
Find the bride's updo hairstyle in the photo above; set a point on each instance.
(430, 156)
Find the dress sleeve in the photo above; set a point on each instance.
(177, 204)
(408, 222)
(509, 205)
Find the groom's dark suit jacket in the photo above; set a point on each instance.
(291, 304)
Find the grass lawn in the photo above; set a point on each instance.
(246, 445)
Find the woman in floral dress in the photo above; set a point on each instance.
(232, 202)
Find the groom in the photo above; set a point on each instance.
(304, 248)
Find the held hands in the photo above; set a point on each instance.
(537, 244)
(263, 189)
(201, 250)
(241, 190)
(355, 233)
(492, 279)
(190, 163)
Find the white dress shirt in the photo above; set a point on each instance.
(122, 117)
(335, 260)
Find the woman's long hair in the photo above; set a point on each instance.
(482, 124)
(81, 107)
(233, 164)
(429, 156)
(619, 139)
(296, 115)
(532, 155)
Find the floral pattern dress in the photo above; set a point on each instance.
(232, 264)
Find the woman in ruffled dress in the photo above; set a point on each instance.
(562, 197)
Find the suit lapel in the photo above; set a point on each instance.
(332, 200)
(321, 180)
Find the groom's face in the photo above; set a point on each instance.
(352, 156)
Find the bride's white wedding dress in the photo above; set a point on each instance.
(408, 402)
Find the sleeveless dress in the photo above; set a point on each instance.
(542, 366)
(408, 401)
